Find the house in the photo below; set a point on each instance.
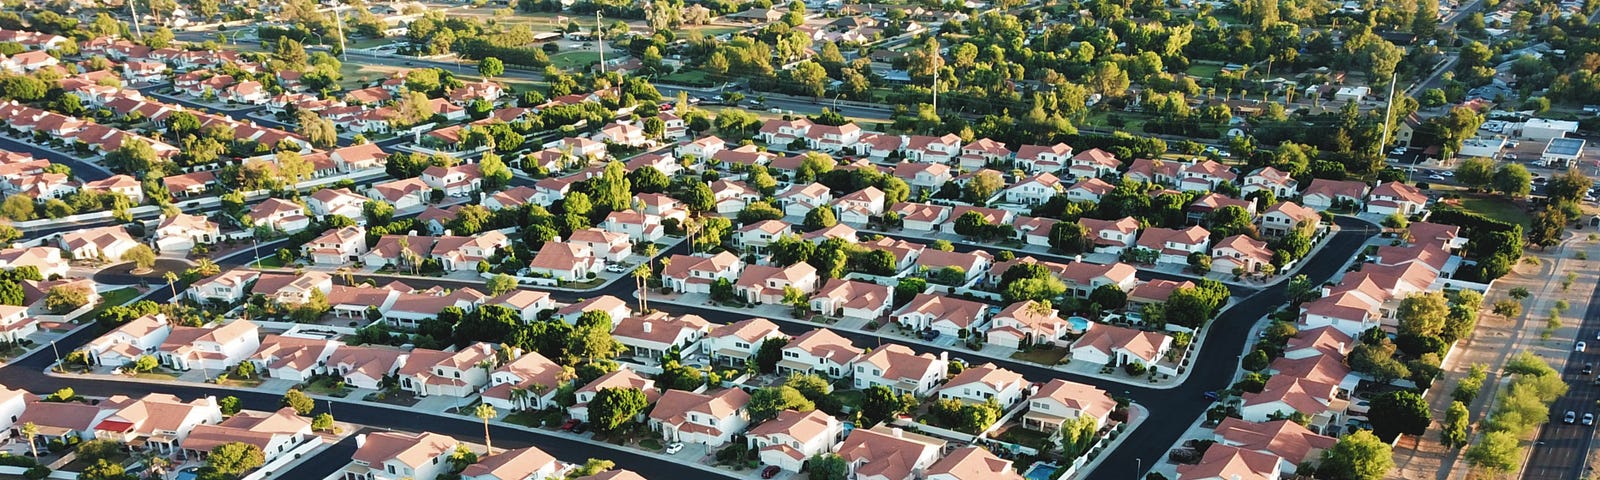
(732, 197)
(860, 206)
(879, 146)
(829, 138)
(852, 299)
(970, 264)
(772, 285)
(663, 206)
(793, 438)
(1240, 253)
(1089, 190)
(1352, 309)
(982, 383)
(638, 226)
(518, 464)
(403, 195)
(1154, 291)
(621, 134)
(129, 341)
(1324, 194)
(121, 184)
(409, 309)
(819, 351)
(1173, 246)
(800, 199)
(457, 254)
(1145, 170)
(1270, 180)
(707, 418)
(367, 367)
(1059, 401)
(209, 348)
(839, 231)
(293, 358)
(1114, 346)
(972, 463)
(182, 232)
(459, 180)
(1284, 217)
(923, 176)
(1083, 278)
(1201, 209)
(1033, 190)
(279, 215)
(227, 288)
(13, 403)
(946, 315)
(695, 274)
(651, 336)
(1285, 394)
(62, 421)
(930, 149)
(159, 421)
(888, 453)
(608, 247)
(456, 374)
(900, 369)
(1205, 176)
(1044, 158)
(1226, 462)
(757, 236)
(993, 216)
(398, 455)
(1389, 198)
(624, 377)
(1028, 323)
(337, 201)
(337, 247)
(292, 289)
(46, 259)
(922, 217)
(567, 262)
(1292, 443)
(982, 152)
(701, 148)
(399, 250)
(1093, 162)
(779, 133)
(528, 382)
(16, 324)
(189, 184)
(734, 343)
(612, 306)
(526, 303)
(1110, 236)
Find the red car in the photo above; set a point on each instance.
(567, 427)
(770, 471)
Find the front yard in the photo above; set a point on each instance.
(1043, 356)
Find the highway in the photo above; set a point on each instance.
(1169, 419)
(1562, 450)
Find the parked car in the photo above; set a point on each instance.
(567, 427)
(770, 471)
(1588, 419)
(1211, 396)
(1580, 347)
(1571, 418)
(674, 447)
(1588, 368)
(580, 428)
(930, 334)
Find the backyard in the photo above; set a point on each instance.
(110, 299)
(1496, 208)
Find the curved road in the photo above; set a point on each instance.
(1172, 410)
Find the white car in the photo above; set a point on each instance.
(1436, 177)
(1448, 173)
(1580, 347)
(1571, 418)
(676, 447)
(1398, 151)
(1588, 419)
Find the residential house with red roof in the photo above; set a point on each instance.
(972, 463)
(770, 285)
(1173, 246)
(293, 358)
(608, 247)
(982, 383)
(930, 149)
(878, 146)
(829, 138)
(459, 180)
(567, 262)
(650, 336)
(982, 152)
(210, 348)
(121, 184)
(972, 264)
(1154, 171)
(1033, 190)
(1154, 291)
(1105, 344)
(1395, 197)
(1202, 207)
(946, 315)
(800, 199)
(900, 369)
(1286, 394)
(707, 418)
(1028, 323)
(888, 453)
(280, 215)
(1093, 162)
(1227, 462)
(1043, 158)
(517, 464)
(1088, 190)
(731, 197)
(779, 133)
(852, 299)
(695, 274)
(1110, 236)
(1240, 253)
(273, 433)
(623, 377)
(1034, 230)
(922, 217)
(510, 198)
(337, 247)
(400, 251)
(46, 259)
(820, 351)
(189, 184)
(860, 206)
(1284, 217)
(923, 176)
(1323, 194)
(1270, 179)
(399, 455)
(404, 195)
(458, 253)
(528, 382)
(1059, 401)
(732, 344)
(158, 421)
(701, 148)
(622, 134)
(365, 366)
(126, 343)
(456, 374)
(182, 232)
(410, 309)
(793, 438)
(755, 237)
(638, 226)
(1292, 443)
(1205, 176)
(612, 306)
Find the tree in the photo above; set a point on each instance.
(827, 467)
(1067, 237)
(820, 218)
(1507, 308)
(1476, 172)
(299, 401)
(30, 431)
(1513, 180)
(501, 283)
(982, 186)
(971, 224)
(486, 412)
(1109, 296)
(18, 208)
(145, 363)
(1357, 456)
(142, 256)
(1547, 227)
(766, 403)
(317, 130)
(614, 406)
(1569, 187)
(880, 403)
(66, 298)
(611, 190)
(770, 352)
(1200, 263)
(104, 470)
(323, 422)
(1498, 451)
(229, 405)
(809, 78)
(491, 67)
(234, 458)
(1399, 412)
(1423, 314)
(495, 173)
(1454, 433)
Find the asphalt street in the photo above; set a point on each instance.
(1562, 450)
(1172, 409)
(83, 170)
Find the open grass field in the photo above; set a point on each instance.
(570, 60)
(1498, 209)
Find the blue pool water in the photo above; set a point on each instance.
(188, 473)
(1041, 471)
(1078, 324)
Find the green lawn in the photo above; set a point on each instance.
(1025, 437)
(570, 60)
(850, 398)
(1203, 70)
(534, 418)
(327, 386)
(1042, 356)
(685, 76)
(110, 299)
(1498, 209)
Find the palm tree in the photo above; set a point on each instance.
(30, 431)
(486, 412)
(156, 463)
(172, 281)
(641, 276)
(1040, 307)
(205, 267)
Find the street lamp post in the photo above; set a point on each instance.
(57, 352)
(1138, 467)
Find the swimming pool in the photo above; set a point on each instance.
(1041, 471)
(188, 473)
(1078, 324)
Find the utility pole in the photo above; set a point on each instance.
(135, 14)
(1388, 112)
(602, 38)
(338, 25)
(938, 64)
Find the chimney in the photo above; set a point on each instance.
(898, 433)
(944, 356)
(646, 327)
(361, 439)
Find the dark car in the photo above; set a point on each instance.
(570, 425)
(770, 471)
(1211, 396)
(1588, 368)
(580, 428)
(930, 334)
